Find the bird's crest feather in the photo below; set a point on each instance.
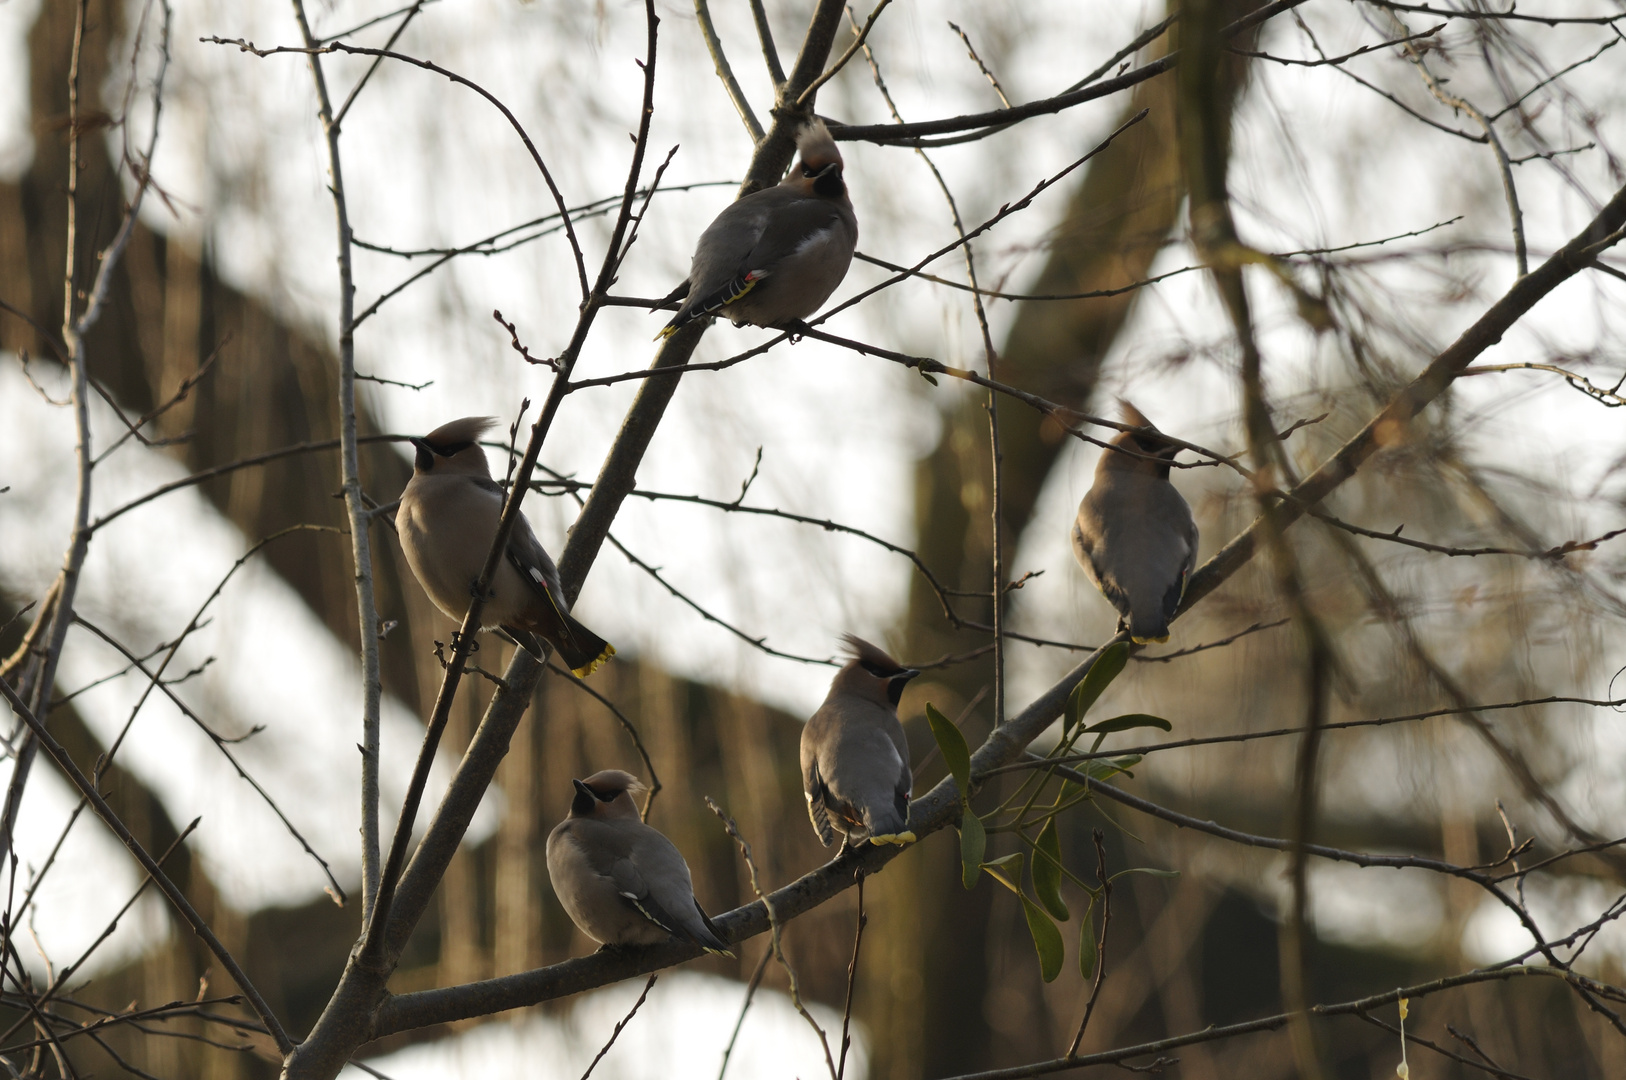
(456, 432)
(873, 655)
(816, 146)
(612, 782)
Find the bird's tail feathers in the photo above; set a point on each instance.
(1148, 632)
(579, 647)
(714, 303)
(710, 940)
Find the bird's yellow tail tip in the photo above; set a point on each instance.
(900, 839)
(592, 666)
(719, 952)
(1149, 640)
(666, 332)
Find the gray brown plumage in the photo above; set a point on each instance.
(1134, 534)
(855, 758)
(776, 255)
(621, 881)
(448, 516)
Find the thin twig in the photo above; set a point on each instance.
(168, 887)
(841, 61)
(536, 157)
(1105, 881)
(982, 67)
(745, 1006)
(636, 1005)
(1510, 191)
(774, 927)
(654, 787)
(852, 979)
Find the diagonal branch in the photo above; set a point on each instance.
(714, 45)
(168, 887)
(940, 806)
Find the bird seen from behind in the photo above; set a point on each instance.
(621, 881)
(1134, 534)
(855, 757)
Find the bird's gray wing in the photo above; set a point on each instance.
(817, 793)
(632, 886)
(668, 893)
(1177, 591)
(535, 566)
(791, 226)
(718, 274)
(1084, 551)
(751, 247)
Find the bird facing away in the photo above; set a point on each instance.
(1134, 534)
(855, 759)
(620, 880)
(776, 255)
(448, 516)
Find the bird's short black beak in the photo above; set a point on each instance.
(895, 685)
(424, 459)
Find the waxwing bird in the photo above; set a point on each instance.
(855, 759)
(1134, 535)
(448, 515)
(620, 880)
(776, 255)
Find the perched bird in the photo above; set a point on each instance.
(620, 880)
(855, 759)
(1134, 535)
(447, 518)
(776, 255)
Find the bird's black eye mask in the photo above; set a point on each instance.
(428, 451)
(826, 179)
(586, 797)
(896, 679)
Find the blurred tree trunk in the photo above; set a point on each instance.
(1119, 218)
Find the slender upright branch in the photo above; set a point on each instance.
(355, 505)
(852, 979)
(1456, 102)
(1104, 881)
(770, 52)
(714, 45)
(39, 677)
